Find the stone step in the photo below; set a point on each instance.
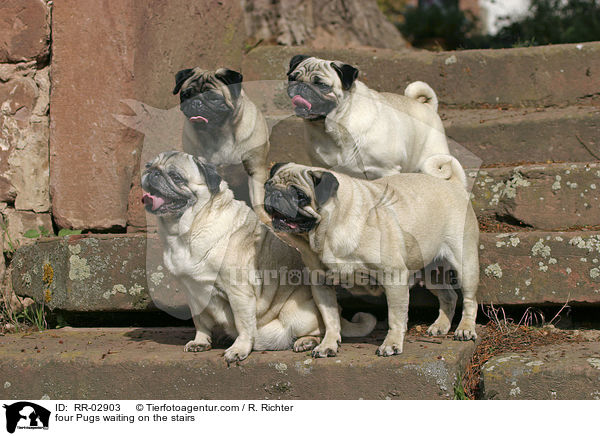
(533, 76)
(483, 136)
(150, 363)
(537, 268)
(107, 273)
(98, 273)
(553, 372)
(545, 197)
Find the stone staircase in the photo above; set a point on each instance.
(525, 123)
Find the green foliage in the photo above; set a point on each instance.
(553, 22)
(68, 232)
(547, 22)
(12, 246)
(34, 315)
(41, 232)
(447, 27)
(459, 389)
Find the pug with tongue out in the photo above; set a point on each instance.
(357, 131)
(232, 267)
(224, 127)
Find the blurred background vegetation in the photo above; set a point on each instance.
(443, 25)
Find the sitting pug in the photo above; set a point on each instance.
(229, 263)
(355, 130)
(395, 225)
(224, 127)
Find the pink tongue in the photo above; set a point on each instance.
(199, 118)
(299, 101)
(152, 200)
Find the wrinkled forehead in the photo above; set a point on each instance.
(312, 67)
(170, 158)
(203, 80)
(291, 174)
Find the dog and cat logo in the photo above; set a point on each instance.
(26, 415)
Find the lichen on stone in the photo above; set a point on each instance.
(493, 270)
(75, 249)
(540, 249)
(156, 278)
(556, 184)
(119, 288)
(594, 361)
(78, 268)
(48, 274)
(136, 289)
(508, 188)
(26, 279)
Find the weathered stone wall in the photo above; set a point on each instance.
(103, 55)
(24, 118)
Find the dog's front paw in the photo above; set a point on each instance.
(326, 349)
(196, 346)
(465, 331)
(438, 328)
(306, 343)
(392, 344)
(237, 352)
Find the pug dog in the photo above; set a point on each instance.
(224, 126)
(227, 261)
(387, 229)
(357, 131)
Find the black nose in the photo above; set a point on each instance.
(272, 197)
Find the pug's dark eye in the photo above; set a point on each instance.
(187, 94)
(303, 199)
(321, 85)
(176, 178)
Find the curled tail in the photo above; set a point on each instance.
(445, 167)
(362, 324)
(423, 93)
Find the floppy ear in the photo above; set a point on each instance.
(211, 176)
(295, 61)
(275, 167)
(347, 73)
(181, 77)
(231, 78)
(326, 186)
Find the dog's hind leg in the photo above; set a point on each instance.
(306, 343)
(447, 299)
(468, 275)
(397, 299)
(470, 280)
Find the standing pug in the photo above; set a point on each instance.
(229, 263)
(396, 224)
(357, 131)
(223, 125)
